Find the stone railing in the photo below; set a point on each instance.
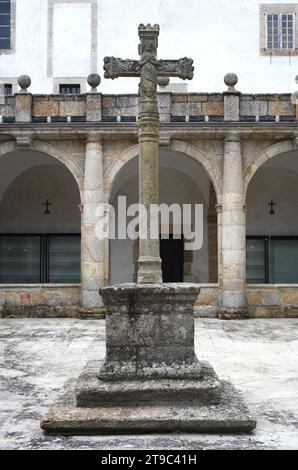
(229, 106)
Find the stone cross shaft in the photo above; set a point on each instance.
(148, 68)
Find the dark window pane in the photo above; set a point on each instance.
(7, 89)
(4, 43)
(4, 32)
(5, 7)
(4, 20)
(70, 89)
(284, 261)
(64, 259)
(19, 259)
(256, 261)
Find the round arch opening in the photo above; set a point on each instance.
(182, 181)
(272, 222)
(39, 220)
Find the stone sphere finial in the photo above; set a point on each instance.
(94, 81)
(163, 81)
(24, 81)
(231, 80)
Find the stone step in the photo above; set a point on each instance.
(92, 391)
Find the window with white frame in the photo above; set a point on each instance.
(280, 31)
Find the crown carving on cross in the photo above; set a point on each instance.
(149, 40)
(146, 29)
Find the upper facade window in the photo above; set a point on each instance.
(5, 24)
(8, 89)
(69, 89)
(279, 29)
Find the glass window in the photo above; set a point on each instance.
(70, 89)
(284, 261)
(256, 260)
(64, 259)
(20, 259)
(5, 22)
(31, 259)
(280, 31)
(7, 89)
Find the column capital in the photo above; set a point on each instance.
(95, 139)
(232, 137)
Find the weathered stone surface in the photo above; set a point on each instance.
(230, 415)
(253, 107)
(23, 107)
(93, 107)
(39, 311)
(213, 108)
(72, 108)
(91, 391)
(150, 331)
(179, 98)
(44, 108)
(281, 108)
(233, 313)
(231, 106)
(207, 296)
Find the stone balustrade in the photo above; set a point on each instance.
(173, 107)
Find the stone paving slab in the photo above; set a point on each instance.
(258, 356)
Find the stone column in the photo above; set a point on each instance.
(218, 208)
(233, 239)
(92, 262)
(149, 263)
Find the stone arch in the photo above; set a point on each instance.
(271, 152)
(52, 151)
(190, 150)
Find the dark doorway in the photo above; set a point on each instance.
(171, 253)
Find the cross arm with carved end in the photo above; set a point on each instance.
(115, 67)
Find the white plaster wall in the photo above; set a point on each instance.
(220, 35)
(72, 40)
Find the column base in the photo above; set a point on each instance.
(233, 313)
(149, 270)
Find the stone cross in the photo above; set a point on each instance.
(148, 68)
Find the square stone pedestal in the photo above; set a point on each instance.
(151, 379)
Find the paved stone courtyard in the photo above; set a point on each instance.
(259, 356)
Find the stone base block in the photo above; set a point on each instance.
(227, 313)
(149, 270)
(92, 391)
(230, 415)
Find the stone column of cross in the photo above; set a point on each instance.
(148, 68)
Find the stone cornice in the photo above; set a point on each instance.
(118, 131)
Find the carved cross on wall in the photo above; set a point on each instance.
(272, 205)
(47, 204)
